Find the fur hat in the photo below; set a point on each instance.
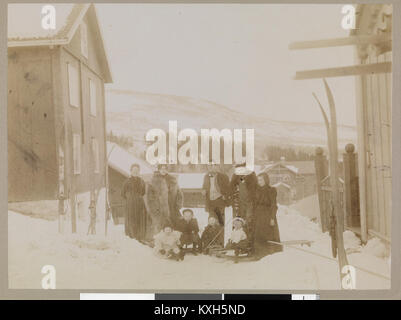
(187, 210)
(242, 170)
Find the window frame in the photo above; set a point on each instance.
(92, 96)
(72, 71)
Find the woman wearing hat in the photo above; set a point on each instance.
(265, 220)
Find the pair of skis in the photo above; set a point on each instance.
(336, 212)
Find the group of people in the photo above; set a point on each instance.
(154, 213)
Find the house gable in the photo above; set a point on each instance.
(70, 18)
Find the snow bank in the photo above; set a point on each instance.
(308, 207)
(376, 248)
(117, 262)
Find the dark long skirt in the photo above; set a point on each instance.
(135, 217)
(264, 232)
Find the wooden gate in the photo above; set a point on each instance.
(349, 188)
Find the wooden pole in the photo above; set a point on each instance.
(338, 42)
(356, 70)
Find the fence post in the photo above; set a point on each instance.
(321, 173)
(351, 187)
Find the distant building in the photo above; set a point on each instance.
(191, 186)
(298, 178)
(284, 193)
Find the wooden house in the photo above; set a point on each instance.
(299, 176)
(285, 194)
(56, 107)
(372, 40)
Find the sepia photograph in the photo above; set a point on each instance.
(175, 147)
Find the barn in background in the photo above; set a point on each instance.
(56, 109)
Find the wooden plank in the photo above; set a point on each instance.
(337, 42)
(388, 175)
(370, 180)
(362, 69)
(385, 105)
(378, 144)
(374, 208)
(362, 145)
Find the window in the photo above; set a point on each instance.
(76, 153)
(95, 151)
(92, 96)
(73, 85)
(84, 39)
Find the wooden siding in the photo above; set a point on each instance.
(32, 170)
(80, 121)
(376, 103)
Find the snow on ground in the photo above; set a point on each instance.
(117, 262)
(308, 207)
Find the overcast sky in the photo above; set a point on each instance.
(233, 54)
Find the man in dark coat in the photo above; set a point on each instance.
(133, 191)
(163, 199)
(216, 188)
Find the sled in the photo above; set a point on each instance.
(228, 254)
(297, 242)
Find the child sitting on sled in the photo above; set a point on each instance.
(212, 236)
(167, 244)
(188, 226)
(238, 240)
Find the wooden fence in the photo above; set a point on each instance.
(349, 188)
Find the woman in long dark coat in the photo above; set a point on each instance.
(265, 220)
(133, 191)
(243, 187)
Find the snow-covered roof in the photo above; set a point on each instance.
(302, 167)
(121, 160)
(25, 27)
(273, 165)
(24, 23)
(190, 180)
(281, 184)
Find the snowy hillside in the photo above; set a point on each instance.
(134, 113)
(117, 262)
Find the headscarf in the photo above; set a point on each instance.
(266, 178)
